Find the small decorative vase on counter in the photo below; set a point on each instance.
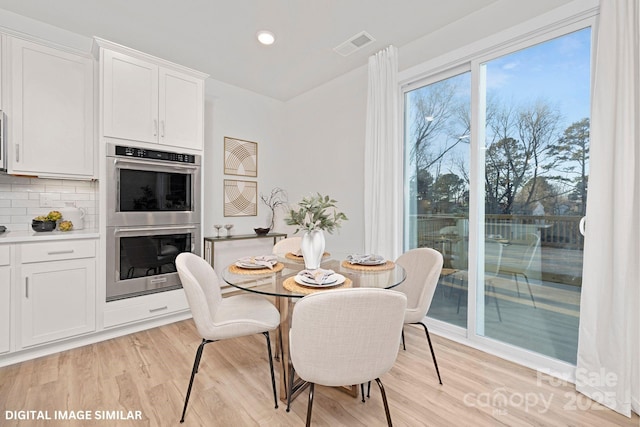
(312, 247)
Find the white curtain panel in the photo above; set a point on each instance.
(608, 367)
(383, 158)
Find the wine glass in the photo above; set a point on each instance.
(228, 227)
(217, 227)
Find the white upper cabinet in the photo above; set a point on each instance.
(130, 97)
(51, 112)
(181, 106)
(150, 100)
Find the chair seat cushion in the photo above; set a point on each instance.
(413, 315)
(243, 315)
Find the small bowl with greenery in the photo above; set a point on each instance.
(46, 222)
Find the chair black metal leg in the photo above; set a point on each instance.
(384, 400)
(290, 389)
(369, 389)
(495, 299)
(362, 391)
(403, 346)
(433, 354)
(515, 276)
(273, 377)
(310, 405)
(283, 371)
(194, 371)
(530, 293)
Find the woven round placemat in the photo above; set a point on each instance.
(290, 284)
(389, 265)
(237, 270)
(291, 255)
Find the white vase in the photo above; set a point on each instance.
(312, 247)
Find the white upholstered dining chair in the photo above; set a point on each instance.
(423, 267)
(346, 336)
(523, 264)
(218, 318)
(286, 245)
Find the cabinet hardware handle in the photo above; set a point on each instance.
(162, 128)
(68, 251)
(26, 287)
(155, 127)
(158, 280)
(153, 310)
(170, 227)
(127, 163)
(17, 153)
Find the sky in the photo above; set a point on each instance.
(557, 71)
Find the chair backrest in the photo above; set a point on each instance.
(530, 254)
(492, 257)
(289, 244)
(423, 267)
(201, 286)
(346, 336)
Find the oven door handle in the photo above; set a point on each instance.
(124, 162)
(163, 228)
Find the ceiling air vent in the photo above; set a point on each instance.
(356, 42)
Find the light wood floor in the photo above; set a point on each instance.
(149, 372)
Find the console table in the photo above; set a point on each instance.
(209, 242)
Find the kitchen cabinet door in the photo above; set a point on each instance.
(181, 114)
(5, 308)
(58, 300)
(130, 97)
(51, 112)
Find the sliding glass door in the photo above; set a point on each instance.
(536, 166)
(437, 126)
(514, 274)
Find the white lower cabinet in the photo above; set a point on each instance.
(145, 307)
(5, 299)
(57, 283)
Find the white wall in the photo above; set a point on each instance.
(324, 146)
(238, 113)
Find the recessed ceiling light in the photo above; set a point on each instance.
(266, 37)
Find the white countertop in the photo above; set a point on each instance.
(32, 236)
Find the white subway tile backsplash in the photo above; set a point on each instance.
(13, 211)
(59, 189)
(22, 199)
(28, 188)
(10, 195)
(20, 203)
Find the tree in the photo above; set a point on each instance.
(572, 154)
(448, 191)
(439, 121)
(518, 152)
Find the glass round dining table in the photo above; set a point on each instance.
(280, 282)
(274, 282)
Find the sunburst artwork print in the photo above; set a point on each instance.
(240, 157)
(240, 198)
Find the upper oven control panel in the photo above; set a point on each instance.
(143, 153)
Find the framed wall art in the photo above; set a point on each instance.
(240, 198)
(240, 157)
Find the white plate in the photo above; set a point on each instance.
(377, 262)
(250, 266)
(304, 281)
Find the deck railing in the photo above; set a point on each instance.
(559, 231)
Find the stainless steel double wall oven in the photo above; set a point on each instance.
(153, 214)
